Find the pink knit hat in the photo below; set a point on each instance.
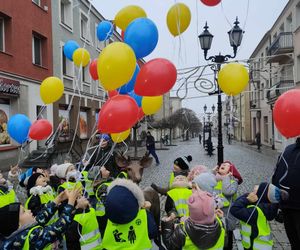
(202, 208)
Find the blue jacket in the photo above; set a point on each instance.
(241, 212)
(41, 236)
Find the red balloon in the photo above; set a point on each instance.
(211, 2)
(40, 130)
(93, 69)
(155, 78)
(286, 113)
(140, 114)
(118, 114)
(112, 93)
(122, 34)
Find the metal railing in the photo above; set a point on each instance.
(284, 41)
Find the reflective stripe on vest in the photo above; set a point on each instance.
(172, 177)
(88, 184)
(26, 245)
(90, 238)
(130, 236)
(123, 173)
(264, 239)
(218, 189)
(180, 197)
(100, 209)
(7, 198)
(189, 245)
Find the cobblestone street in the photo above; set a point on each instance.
(254, 166)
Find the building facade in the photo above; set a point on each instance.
(25, 61)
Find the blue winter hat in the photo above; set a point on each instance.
(105, 137)
(124, 199)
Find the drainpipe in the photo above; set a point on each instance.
(273, 131)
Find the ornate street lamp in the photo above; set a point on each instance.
(235, 39)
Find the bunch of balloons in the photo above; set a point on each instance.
(80, 56)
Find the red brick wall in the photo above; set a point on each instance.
(22, 18)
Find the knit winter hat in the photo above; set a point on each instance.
(202, 208)
(206, 182)
(60, 170)
(105, 137)
(235, 173)
(9, 218)
(268, 193)
(123, 201)
(32, 179)
(199, 169)
(183, 162)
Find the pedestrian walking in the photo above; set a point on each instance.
(200, 138)
(258, 140)
(286, 176)
(150, 145)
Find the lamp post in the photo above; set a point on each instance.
(208, 126)
(235, 39)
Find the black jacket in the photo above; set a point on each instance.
(150, 142)
(292, 171)
(240, 211)
(203, 236)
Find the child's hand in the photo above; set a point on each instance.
(147, 205)
(14, 169)
(252, 197)
(60, 198)
(82, 203)
(73, 195)
(216, 168)
(219, 213)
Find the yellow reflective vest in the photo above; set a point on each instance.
(100, 209)
(7, 198)
(90, 236)
(172, 177)
(130, 236)
(68, 185)
(263, 241)
(189, 245)
(88, 184)
(27, 243)
(180, 197)
(218, 189)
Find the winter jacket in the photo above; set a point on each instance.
(150, 142)
(241, 212)
(291, 156)
(43, 235)
(203, 236)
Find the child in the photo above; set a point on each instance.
(129, 225)
(83, 233)
(7, 193)
(181, 167)
(195, 171)
(24, 231)
(201, 230)
(228, 179)
(39, 193)
(177, 196)
(253, 216)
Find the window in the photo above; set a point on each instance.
(36, 50)
(67, 65)
(84, 27)
(2, 35)
(4, 114)
(297, 15)
(37, 2)
(85, 75)
(262, 91)
(66, 13)
(98, 44)
(266, 129)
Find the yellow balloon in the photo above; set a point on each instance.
(178, 18)
(116, 65)
(51, 90)
(233, 78)
(119, 137)
(126, 15)
(151, 104)
(81, 57)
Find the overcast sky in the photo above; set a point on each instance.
(256, 18)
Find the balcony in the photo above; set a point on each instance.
(282, 45)
(278, 89)
(254, 105)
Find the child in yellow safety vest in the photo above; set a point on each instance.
(254, 210)
(83, 233)
(176, 202)
(201, 230)
(130, 226)
(21, 230)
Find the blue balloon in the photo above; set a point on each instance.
(104, 30)
(142, 36)
(136, 97)
(18, 128)
(69, 48)
(128, 87)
